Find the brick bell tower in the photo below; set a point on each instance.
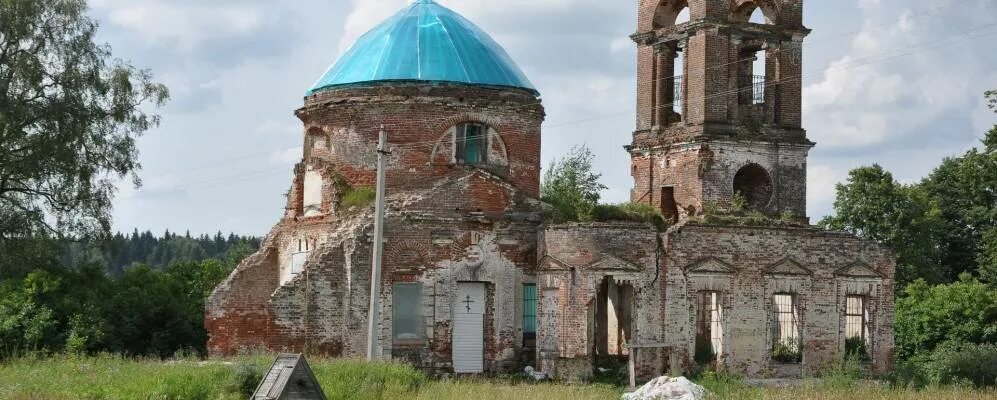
(719, 106)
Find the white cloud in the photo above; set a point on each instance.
(898, 77)
(185, 24)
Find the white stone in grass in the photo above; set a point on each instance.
(667, 388)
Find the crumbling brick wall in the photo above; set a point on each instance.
(698, 151)
(575, 260)
(446, 223)
(748, 265)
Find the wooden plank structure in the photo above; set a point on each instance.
(289, 378)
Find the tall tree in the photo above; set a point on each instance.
(571, 187)
(69, 117)
(874, 205)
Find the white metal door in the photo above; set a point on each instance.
(469, 328)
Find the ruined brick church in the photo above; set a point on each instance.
(475, 281)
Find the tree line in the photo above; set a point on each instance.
(143, 311)
(121, 251)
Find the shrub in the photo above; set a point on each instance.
(634, 212)
(974, 364)
(738, 203)
(960, 312)
(248, 374)
(787, 351)
(704, 352)
(856, 347)
(843, 375)
(571, 187)
(358, 197)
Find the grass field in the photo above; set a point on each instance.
(109, 377)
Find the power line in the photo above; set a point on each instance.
(697, 73)
(892, 54)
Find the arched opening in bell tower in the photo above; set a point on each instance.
(671, 12)
(683, 16)
(755, 12)
(669, 67)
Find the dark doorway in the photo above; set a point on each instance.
(669, 208)
(613, 324)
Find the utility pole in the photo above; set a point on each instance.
(373, 347)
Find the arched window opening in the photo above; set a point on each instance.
(312, 193)
(753, 184)
(679, 75)
(683, 16)
(316, 139)
(752, 72)
(755, 14)
(671, 12)
(759, 73)
(758, 17)
(471, 143)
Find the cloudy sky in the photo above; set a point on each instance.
(895, 82)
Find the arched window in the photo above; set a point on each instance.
(316, 139)
(312, 193)
(683, 16)
(754, 185)
(671, 12)
(759, 73)
(758, 12)
(758, 17)
(471, 143)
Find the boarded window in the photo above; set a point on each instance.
(786, 337)
(472, 143)
(312, 196)
(529, 313)
(406, 314)
(709, 338)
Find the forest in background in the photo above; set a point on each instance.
(123, 250)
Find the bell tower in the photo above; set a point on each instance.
(719, 106)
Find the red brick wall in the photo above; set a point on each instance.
(418, 118)
(715, 43)
(445, 224)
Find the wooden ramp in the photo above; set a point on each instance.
(289, 378)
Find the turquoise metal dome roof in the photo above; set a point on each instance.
(425, 42)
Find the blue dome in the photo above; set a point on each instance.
(425, 42)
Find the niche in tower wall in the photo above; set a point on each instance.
(754, 185)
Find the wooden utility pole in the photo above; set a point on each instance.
(373, 323)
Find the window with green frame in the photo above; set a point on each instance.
(472, 143)
(529, 314)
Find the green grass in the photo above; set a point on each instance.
(835, 388)
(110, 377)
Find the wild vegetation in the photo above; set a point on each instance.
(112, 377)
(943, 230)
(571, 189)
